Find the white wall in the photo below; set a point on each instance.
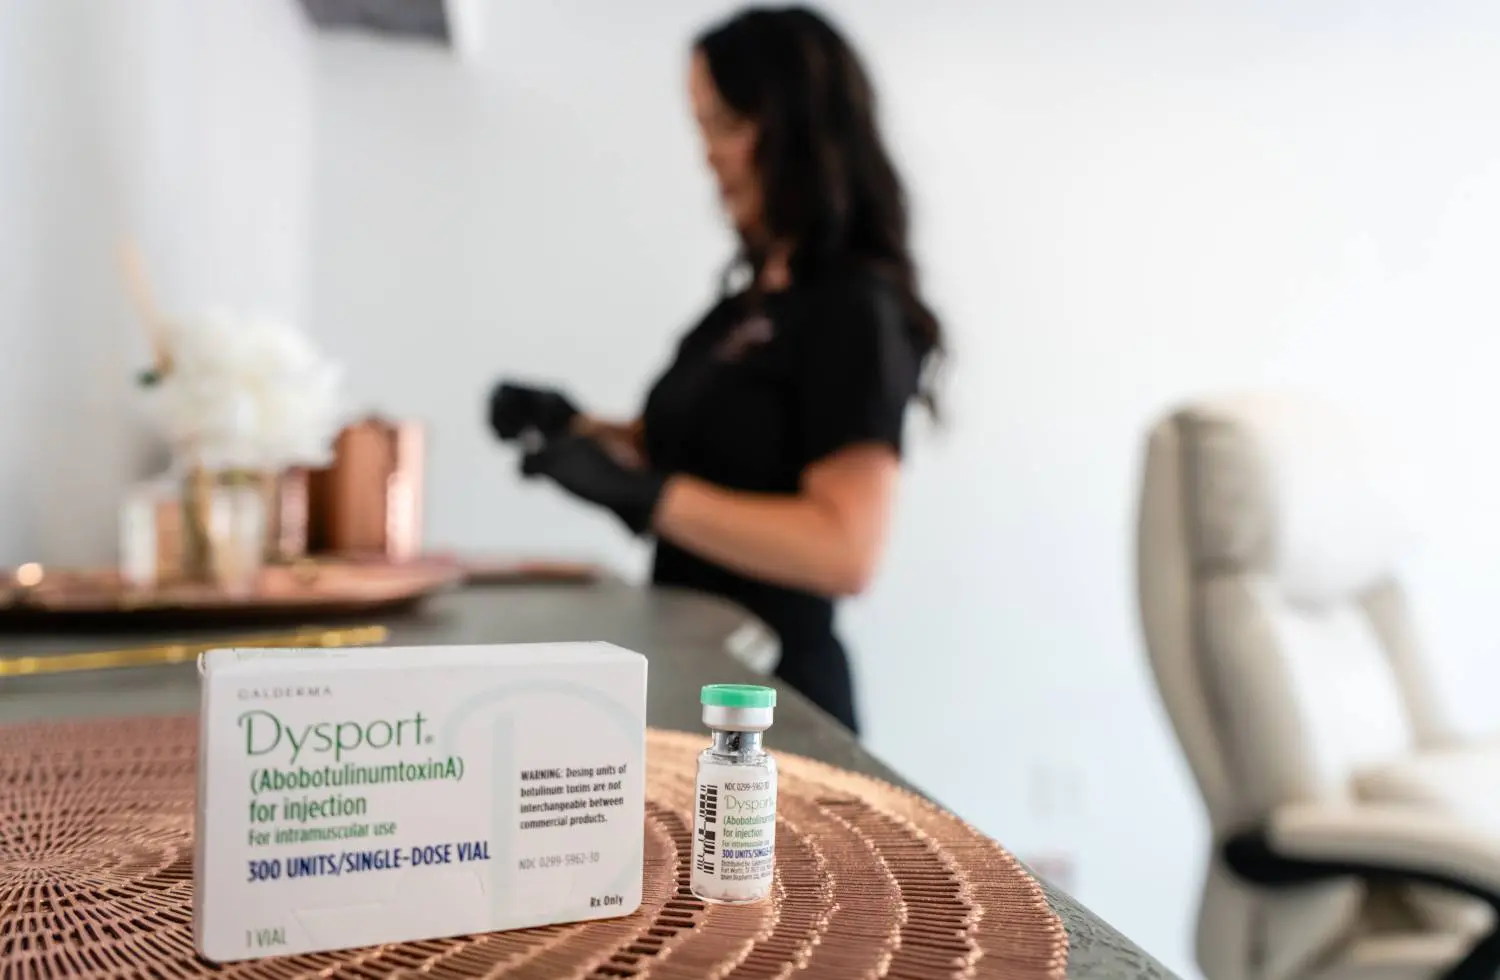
(1117, 208)
(184, 126)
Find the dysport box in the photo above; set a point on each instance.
(362, 796)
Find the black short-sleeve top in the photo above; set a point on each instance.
(763, 387)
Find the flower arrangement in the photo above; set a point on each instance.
(241, 399)
(243, 394)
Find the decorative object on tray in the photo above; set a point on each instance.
(368, 502)
(166, 654)
(286, 537)
(305, 588)
(871, 880)
(241, 399)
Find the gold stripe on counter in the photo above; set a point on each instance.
(178, 653)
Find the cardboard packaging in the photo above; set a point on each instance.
(355, 797)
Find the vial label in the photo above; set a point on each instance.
(734, 837)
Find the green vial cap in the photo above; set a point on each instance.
(739, 696)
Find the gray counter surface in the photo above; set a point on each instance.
(683, 635)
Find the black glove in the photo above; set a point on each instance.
(584, 468)
(515, 408)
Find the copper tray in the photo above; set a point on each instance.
(489, 570)
(90, 598)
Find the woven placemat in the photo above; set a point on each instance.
(96, 823)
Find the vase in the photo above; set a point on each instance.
(149, 545)
(226, 515)
(369, 500)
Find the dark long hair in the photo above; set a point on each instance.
(828, 185)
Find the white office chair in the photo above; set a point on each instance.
(1355, 834)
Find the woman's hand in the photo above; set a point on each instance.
(515, 409)
(584, 467)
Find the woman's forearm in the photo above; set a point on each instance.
(791, 540)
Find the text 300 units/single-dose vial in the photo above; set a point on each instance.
(734, 826)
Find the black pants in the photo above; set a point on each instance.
(819, 670)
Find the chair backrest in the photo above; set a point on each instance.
(1277, 631)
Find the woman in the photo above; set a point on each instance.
(767, 455)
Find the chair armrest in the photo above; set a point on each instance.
(1307, 842)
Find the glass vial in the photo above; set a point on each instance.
(734, 823)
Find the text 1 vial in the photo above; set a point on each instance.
(734, 824)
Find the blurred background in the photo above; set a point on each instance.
(1119, 207)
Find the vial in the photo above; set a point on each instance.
(734, 823)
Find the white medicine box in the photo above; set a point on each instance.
(362, 796)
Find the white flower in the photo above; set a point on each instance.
(247, 393)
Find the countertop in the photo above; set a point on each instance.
(684, 636)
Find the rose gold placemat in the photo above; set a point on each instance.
(96, 881)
